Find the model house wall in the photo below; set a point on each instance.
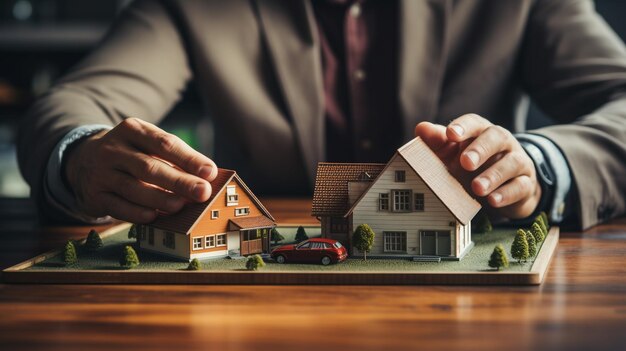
(434, 217)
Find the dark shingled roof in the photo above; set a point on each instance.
(182, 221)
(330, 197)
(250, 223)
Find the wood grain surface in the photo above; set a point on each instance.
(581, 306)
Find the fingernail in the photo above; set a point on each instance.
(205, 172)
(473, 157)
(496, 197)
(458, 130)
(484, 183)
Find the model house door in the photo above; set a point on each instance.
(435, 243)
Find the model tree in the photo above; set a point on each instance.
(544, 226)
(537, 232)
(363, 239)
(532, 244)
(194, 265)
(254, 262)
(301, 235)
(69, 254)
(93, 241)
(276, 236)
(132, 232)
(498, 258)
(519, 248)
(544, 216)
(129, 258)
(482, 224)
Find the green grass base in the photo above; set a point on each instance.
(107, 257)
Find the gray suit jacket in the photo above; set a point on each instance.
(257, 65)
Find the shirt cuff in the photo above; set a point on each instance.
(55, 190)
(550, 163)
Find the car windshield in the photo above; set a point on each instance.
(337, 245)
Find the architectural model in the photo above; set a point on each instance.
(412, 203)
(233, 222)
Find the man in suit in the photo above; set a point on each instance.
(291, 83)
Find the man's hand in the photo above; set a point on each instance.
(135, 170)
(488, 160)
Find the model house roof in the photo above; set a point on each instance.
(330, 197)
(249, 223)
(184, 220)
(435, 174)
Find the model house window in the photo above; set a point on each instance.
(338, 225)
(197, 243)
(169, 240)
(383, 201)
(394, 241)
(221, 240)
(419, 202)
(402, 200)
(232, 199)
(209, 241)
(400, 176)
(242, 211)
(215, 214)
(150, 235)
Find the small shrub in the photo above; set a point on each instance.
(537, 232)
(532, 244)
(69, 254)
(482, 224)
(301, 235)
(363, 239)
(93, 241)
(519, 248)
(498, 258)
(254, 262)
(129, 258)
(132, 232)
(276, 236)
(194, 265)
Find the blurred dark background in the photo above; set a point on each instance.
(41, 39)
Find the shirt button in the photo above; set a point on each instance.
(359, 75)
(355, 10)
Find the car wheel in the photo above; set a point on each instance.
(280, 259)
(326, 261)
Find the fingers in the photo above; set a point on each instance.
(492, 140)
(153, 140)
(119, 208)
(520, 193)
(466, 127)
(434, 135)
(140, 193)
(156, 172)
(509, 166)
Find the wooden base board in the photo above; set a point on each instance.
(536, 275)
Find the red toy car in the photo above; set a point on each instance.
(324, 251)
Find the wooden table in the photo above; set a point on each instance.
(582, 305)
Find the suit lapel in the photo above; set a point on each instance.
(422, 46)
(292, 41)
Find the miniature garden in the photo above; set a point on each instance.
(510, 249)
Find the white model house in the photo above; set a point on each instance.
(413, 204)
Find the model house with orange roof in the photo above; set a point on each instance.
(413, 204)
(233, 222)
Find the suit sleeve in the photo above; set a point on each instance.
(574, 67)
(140, 69)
